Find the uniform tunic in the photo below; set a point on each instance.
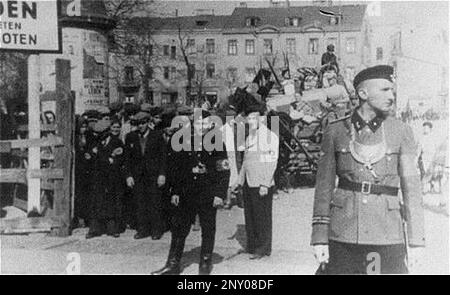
(359, 218)
(199, 176)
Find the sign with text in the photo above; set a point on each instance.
(30, 26)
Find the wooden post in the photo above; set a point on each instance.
(34, 132)
(64, 155)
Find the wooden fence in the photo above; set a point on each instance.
(59, 178)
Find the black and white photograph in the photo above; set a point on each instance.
(249, 137)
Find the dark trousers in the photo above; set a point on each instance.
(102, 226)
(258, 220)
(366, 259)
(148, 207)
(129, 209)
(184, 217)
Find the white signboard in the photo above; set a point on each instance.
(94, 93)
(30, 26)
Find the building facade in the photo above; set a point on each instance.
(227, 51)
(85, 25)
(413, 38)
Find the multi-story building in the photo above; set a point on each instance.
(227, 51)
(199, 37)
(414, 39)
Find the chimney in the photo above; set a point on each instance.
(287, 3)
(243, 4)
(176, 12)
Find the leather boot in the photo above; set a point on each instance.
(205, 266)
(172, 266)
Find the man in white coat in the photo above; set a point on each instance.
(257, 178)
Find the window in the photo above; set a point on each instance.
(173, 52)
(168, 97)
(166, 50)
(166, 73)
(149, 72)
(313, 46)
(268, 47)
(210, 46)
(351, 45)
(249, 47)
(170, 73)
(250, 74)
(232, 47)
(129, 74)
(151, 96)
(290, 45)
(129, 99)
(149, 50)
(210, 71)
(191, 71)
(201, 23)
(379, 53)
(291, 21)
(252, 22)
(190, 46)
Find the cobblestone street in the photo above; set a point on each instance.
(38, 253)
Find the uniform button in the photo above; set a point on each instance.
(195, 177)
(361, 169)
(364, 201)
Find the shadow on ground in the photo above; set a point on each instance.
(193, 257)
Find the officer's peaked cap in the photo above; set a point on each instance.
(376, 72)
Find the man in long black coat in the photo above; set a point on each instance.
(145, 173)
(202, 176)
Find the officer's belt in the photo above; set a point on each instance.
(367, 187)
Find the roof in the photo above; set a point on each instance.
(200, 22)
(269, 16)
(353, 16)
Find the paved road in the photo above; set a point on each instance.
(291, 254)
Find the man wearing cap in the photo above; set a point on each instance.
(357, 224)
(329, 58)
(202, 174)
(145, 170)
(156, 118)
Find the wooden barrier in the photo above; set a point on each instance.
(60, 179)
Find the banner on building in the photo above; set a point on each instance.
(30, 26)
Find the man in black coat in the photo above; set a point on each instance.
(330, 59)
(145, 170)
(202, 176)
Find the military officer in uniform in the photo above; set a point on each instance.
(362, 225)
(202, 177)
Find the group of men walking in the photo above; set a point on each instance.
(367, 197)
(194, 177)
